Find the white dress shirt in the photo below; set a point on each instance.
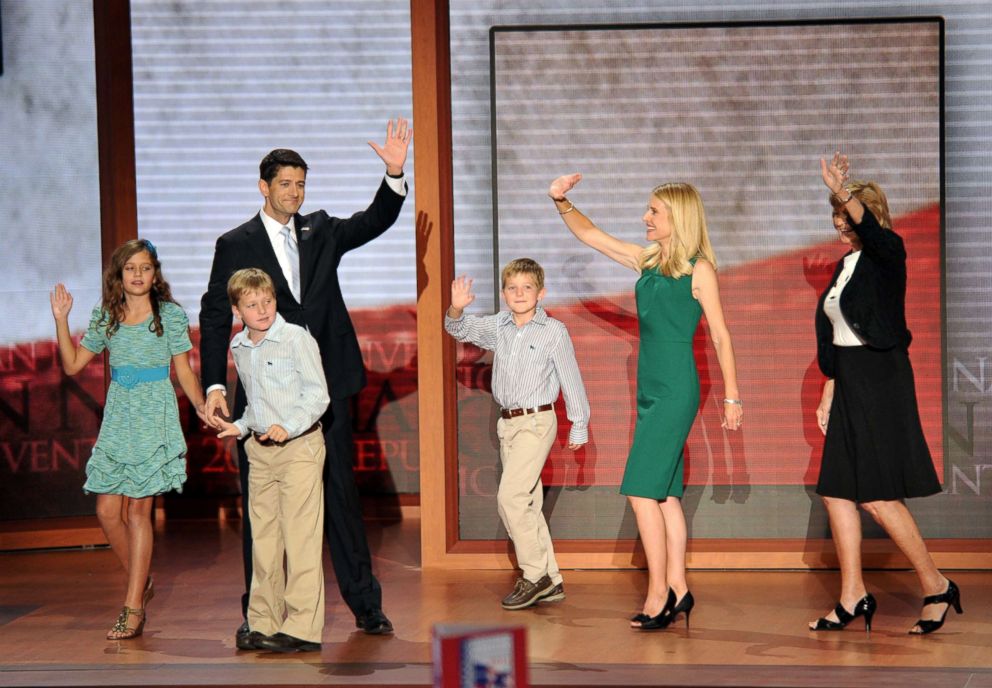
(273, 227)
(843, 334)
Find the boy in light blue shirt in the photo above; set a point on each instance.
(280, 370)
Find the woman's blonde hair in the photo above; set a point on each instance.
(871, 196)
(689, 236)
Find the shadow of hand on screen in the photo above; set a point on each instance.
(818, 269)
(425, 227)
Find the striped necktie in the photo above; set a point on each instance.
(293, 253)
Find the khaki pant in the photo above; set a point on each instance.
(286, 508)
(524, 444)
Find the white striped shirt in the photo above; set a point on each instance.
(531, 363)
(282, 377)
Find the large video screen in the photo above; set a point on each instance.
(744, 113)
(215, 89)
(50, 204)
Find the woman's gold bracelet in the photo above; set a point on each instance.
(571, 207)
(844, 201)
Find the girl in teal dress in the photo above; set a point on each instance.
(140, 451)
(677, 284)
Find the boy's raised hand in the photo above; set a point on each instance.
(61, 302)
(461, 292)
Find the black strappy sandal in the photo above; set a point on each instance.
(865, 607)
(951, 597)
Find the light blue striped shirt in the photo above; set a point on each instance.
(531, 363)
(282, 377)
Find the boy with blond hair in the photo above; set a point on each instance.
(533, 361)
(280, 370)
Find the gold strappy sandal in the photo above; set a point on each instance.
(121, 625)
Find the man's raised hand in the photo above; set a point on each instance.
(393, 151)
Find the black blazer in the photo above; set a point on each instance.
(874, 300)
(322, 310)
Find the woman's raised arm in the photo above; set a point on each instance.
(625, 253)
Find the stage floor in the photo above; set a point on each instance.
(748, 628)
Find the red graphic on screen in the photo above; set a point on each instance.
(769, 307)
(49, 422)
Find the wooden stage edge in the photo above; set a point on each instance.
(284, 675)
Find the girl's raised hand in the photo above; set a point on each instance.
(461, 292)
(61, 301)
(563, 185)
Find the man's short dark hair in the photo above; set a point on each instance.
(279, 158)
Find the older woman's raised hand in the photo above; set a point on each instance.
(562, 185)
(835, 172)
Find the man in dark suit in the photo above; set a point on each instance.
(302, 253)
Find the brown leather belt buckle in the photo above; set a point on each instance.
(513, 413)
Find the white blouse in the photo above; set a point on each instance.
(843, 334)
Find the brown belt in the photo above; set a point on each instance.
(513, 413)
(272, 443)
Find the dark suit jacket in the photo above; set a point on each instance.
(874, 300)
(322, 310)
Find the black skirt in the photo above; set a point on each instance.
(875, 448)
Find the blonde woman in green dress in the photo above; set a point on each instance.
(140, 451)
(677, 284)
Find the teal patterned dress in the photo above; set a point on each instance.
(141, 450)
(667, 385)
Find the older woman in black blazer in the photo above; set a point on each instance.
(874, 454)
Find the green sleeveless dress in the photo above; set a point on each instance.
(667, 385)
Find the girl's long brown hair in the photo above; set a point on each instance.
(113, 313)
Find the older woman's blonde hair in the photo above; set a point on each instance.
(689, 236)
(871, 196)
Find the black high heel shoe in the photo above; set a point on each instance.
(656, 623)
(951, 597)
(865, 607)
(684, 606)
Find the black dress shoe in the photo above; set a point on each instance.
(247, 639)
(374, 622)
(242, 637)
(280, 642)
